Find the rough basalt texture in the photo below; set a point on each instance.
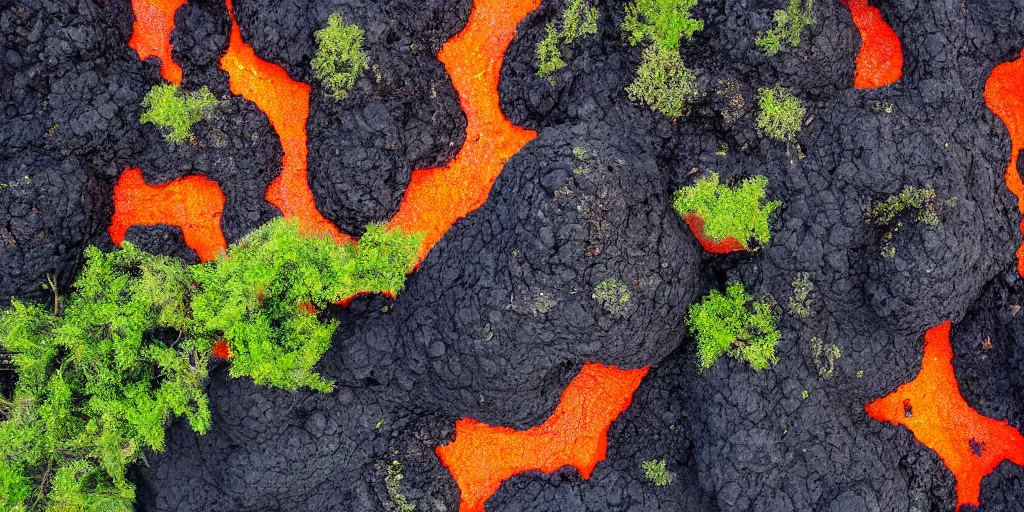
(500, 316)
(402, 114)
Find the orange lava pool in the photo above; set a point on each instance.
(931, 406)
(192, 203)
(481, 457)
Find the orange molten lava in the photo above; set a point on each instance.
(222, 350)
(438, 197)
(932, 408)
(880, 61)
(286, 104)
(192, 203)
(1005, 97)
(481, 456)
(724, 246)
(151, 34)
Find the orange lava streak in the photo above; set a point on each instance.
(151, 34)
(481, 456)
(286, 104)
(192, 203)
(724, 246)
(1004, 96)
(438, 197)
(880, 61)
(971, 445)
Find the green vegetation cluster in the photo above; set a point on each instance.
(924, 200)
(800, 303)
(174, 111)
(789, 25)
(663, 81)
(578, 19)
(391, 481)
(656, 472)
(781, 114)
(613, 296)
(825, 357)
(339, 58)
(102, 371)
(739, 212)
(732, 323)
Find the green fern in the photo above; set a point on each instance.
(789, 25)
(167, 107)
(781, 115)
(664, 22)
(663, 81)
(734, 324)
(340, 58)
(578, 19)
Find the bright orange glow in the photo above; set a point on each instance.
(151, 34)
(438, 197)
(1005, 97)
(724, 246)
(481, 456)
(222, 350)
(971, 445)
(286, 104)
(192, 203)
(880, 61)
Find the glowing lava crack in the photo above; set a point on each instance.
(151, 34)
(724, 246)
(931, 406)
(481, 457)
(286, 104)
(880, 61)
(1004, 96)
(436, 198)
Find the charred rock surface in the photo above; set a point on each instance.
(500, 316)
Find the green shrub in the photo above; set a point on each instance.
(739, 212)
(613, 296)
(663, 82)
(339, 56)
(549, 55)
(736, 325)
(781, 114)
(655, 471)
(663, 22)
(97, 383)
(167, 107)
(578, 19)
(101, 373)
(261, 297)
(789, 25)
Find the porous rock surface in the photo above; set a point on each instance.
(500, 316)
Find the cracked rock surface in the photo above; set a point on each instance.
(501, 315)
